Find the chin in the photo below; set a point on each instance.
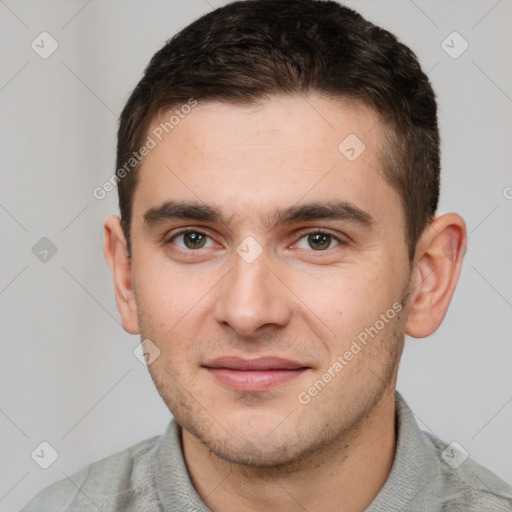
(251, 439)
(256, 453)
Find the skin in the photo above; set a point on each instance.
(255, 450)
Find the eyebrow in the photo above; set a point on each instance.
(201, 212)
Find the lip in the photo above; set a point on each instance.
(253, 375)
(259, 363)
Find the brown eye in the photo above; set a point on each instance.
(191, 240)
(318, 241)
(194, 240)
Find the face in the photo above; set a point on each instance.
(269, 267)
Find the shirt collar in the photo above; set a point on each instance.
(414, 467)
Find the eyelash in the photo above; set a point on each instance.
(301, 236)
(184, 231)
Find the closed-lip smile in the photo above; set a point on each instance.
(253, 375)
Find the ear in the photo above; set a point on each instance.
(436, 270)
(116, 254)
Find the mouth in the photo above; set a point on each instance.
(253, 375)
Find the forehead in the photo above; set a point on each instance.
(303, 124)
(277, 152)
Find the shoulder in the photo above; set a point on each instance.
(461, 484)
(116, 482)
(429, 474)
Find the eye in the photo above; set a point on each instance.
(191, 239)
(318, 241)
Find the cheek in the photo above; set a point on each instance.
(360, 311)
(348, 300)
(172, 308)
(165, 295)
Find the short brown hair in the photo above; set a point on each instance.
(249, 50)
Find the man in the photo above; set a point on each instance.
(278, 174)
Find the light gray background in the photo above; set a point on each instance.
(68, 374)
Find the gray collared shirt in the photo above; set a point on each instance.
(152, 476)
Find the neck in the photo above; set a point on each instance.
(346, 475)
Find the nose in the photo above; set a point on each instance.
(251, 298)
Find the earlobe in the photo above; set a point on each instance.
(116, 254)
(437, 266)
